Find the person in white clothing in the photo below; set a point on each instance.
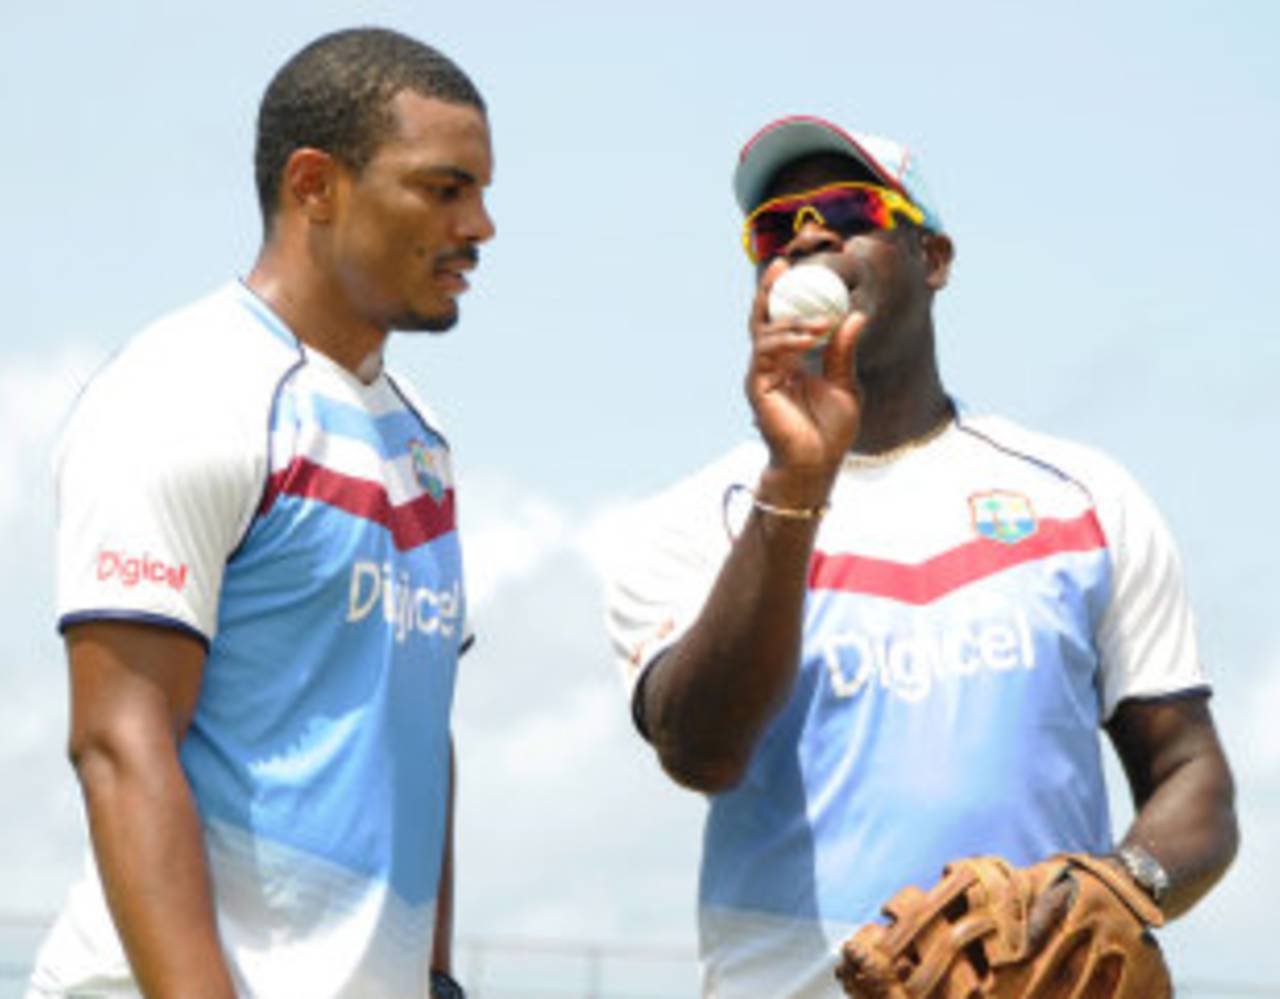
(259, 576)
(886, 634)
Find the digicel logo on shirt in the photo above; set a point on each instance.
(131, 570)
(405, 606)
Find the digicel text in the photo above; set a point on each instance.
(134, 569)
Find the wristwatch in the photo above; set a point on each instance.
(445, 986)
(1145, 870)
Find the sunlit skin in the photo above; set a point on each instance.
(355, 254)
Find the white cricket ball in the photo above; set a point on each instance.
(809, 291)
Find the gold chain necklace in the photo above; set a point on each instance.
(855, 460)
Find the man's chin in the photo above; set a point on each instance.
(418, 322)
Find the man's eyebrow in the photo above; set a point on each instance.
(451, 172)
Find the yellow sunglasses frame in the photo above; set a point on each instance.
(806, 213)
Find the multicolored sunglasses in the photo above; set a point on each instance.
(847, 208)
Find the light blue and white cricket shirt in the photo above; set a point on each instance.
(220, 478)
(976, 609)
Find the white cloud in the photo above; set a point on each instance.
(545, 746)
(604, 534)
(506, 534)
(45, 846)
(1263, 757)
(567, 829)
(35, 393)
(1221, 932)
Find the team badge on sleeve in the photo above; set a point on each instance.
(1002, 516)
(424, 469)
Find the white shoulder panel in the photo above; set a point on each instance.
(1147, 638)
(162, 464)
(676, 543)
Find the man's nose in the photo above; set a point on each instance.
(810, 238)
(476, 225)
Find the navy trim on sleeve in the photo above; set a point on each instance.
(637, 697)
(1185, 694)
(135, 617)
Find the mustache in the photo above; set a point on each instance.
(467, 255)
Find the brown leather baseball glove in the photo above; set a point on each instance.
(967, 938)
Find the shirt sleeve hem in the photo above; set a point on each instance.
(1162, 696)
(636, 692)
(136, 617)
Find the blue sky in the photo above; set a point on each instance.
(1107, 171)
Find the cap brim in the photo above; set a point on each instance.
(788, 139)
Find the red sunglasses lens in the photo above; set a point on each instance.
(771, 231)
(847, 211)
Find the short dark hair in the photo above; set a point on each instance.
(333, 96)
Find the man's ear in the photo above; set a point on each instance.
(939, 252)
(310, 184)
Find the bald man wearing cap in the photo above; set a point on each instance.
(887, 632)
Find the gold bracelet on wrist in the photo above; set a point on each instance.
(800, 514)
(790, 512)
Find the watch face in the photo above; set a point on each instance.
(1146, 871)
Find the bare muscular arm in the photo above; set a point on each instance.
(707, 700)
(1185, 799)
(133, 691)
(1183, 792)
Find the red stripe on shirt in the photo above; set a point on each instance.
(927, 581)
(411, 524)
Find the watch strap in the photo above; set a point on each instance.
(445, 986)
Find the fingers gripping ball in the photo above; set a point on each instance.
(967, 938)
(810, 291)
